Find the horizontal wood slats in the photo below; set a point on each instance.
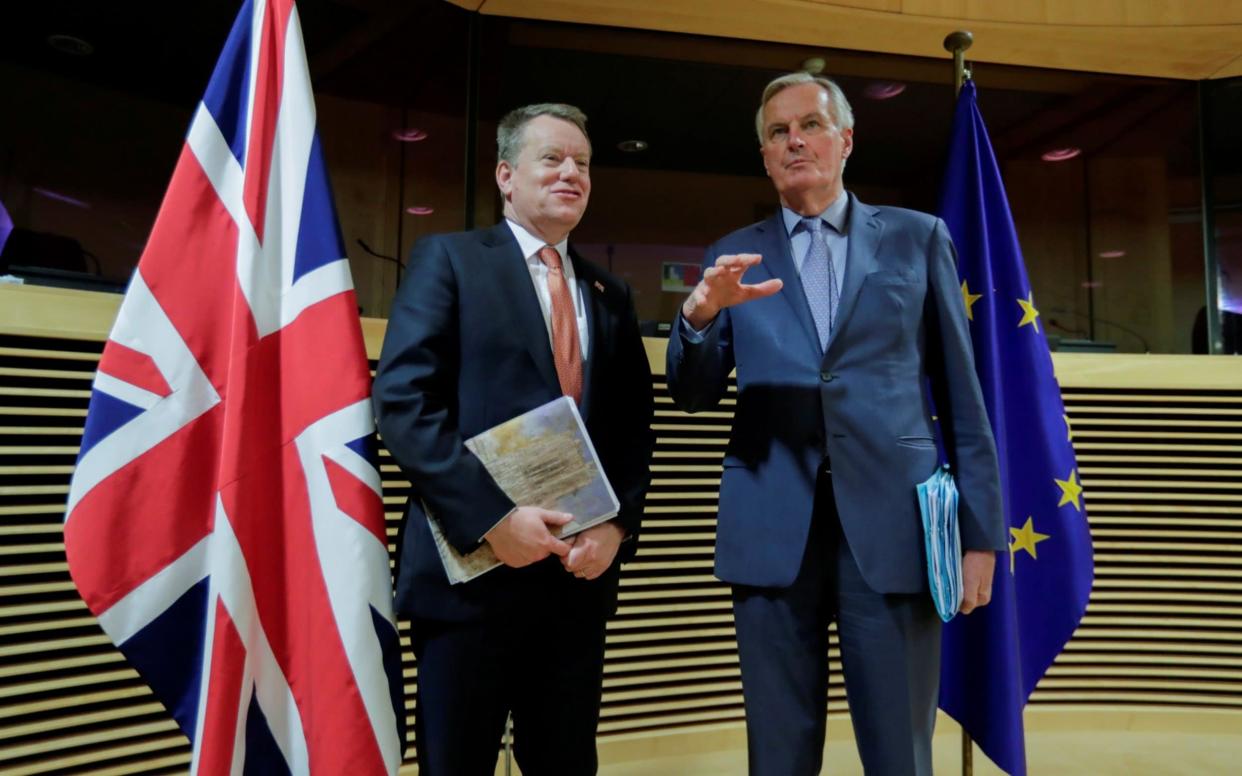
(1160, 467)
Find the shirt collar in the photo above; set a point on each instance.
(834, 215)
(530, 244)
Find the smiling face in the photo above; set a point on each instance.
(803, 151)
(547, 188)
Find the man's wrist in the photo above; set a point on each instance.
(697, 316)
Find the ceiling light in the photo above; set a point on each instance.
(420, 210)
(1112, 254)
(411, 135)
(883, 90)
(632, 146)
(71, 45)
(56, 195)
(1061, 154)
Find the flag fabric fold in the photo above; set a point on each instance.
(225, 521)
(993, 658)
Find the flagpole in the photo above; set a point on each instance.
(509, 745)
(956, 44)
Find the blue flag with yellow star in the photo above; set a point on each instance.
(993, 658)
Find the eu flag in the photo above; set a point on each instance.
(993, 658)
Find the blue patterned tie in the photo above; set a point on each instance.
(819, 280)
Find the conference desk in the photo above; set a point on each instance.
(1159, 444)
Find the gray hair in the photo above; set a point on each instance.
(509, 135)
(838, 107)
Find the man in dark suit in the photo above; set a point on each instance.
(488, 325)
(849, 312)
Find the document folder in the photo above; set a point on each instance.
(938, 505)
(543, 458)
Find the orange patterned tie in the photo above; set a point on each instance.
(566, 350)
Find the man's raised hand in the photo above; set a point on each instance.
(722, 287)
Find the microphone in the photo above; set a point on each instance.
(1066, 311)
(379, 255)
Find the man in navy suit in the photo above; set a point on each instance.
(847, 315)
(487, 325)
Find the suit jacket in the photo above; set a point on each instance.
(863, 403)
(467, 348)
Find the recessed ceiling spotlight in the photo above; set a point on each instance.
(883, 90)
(1092, 284)
(632, 146)
(1112, 254)
(71, 45)
(420, 210)
(814, 65)
(1061, 154)
(411, 135)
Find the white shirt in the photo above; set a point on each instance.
(530, 246)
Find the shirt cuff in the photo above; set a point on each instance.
(693, 335)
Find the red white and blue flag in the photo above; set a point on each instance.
(225, 522)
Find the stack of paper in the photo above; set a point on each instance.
(938, 504)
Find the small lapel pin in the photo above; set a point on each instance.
(599, 286)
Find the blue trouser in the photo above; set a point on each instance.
(890, 651)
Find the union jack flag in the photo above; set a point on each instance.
(225, 522)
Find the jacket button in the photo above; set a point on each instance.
(826, 376)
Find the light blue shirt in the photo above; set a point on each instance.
(837, 239)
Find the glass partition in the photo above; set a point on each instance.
(1102, 171)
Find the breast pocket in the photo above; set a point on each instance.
(891, 277)
(892, 296)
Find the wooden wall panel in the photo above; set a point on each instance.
(1133, 37)
(1158, 441)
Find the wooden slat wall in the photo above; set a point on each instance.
(1160, 459)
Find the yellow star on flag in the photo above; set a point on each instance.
(1024, 538)
(1069, 432)
(1029, 313)
(970, 300)
(1071, 491)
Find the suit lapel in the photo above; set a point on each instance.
(591, 297)
(864, 230)
(777, 257)
(517, 292)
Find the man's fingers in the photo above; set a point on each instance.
(739, 260)
(975, 600)
(556, 518)
(766, 288)
(557, 547)
(580, 557)
(977, 567)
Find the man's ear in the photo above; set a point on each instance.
(847, 143)
(504, 178)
